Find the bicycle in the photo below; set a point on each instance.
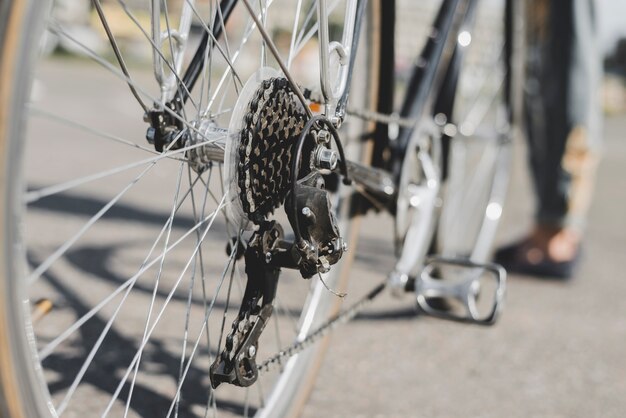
(249, 143)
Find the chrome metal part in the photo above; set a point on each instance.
(417, 203)
(323, 136)
(465, 287)
(323, 36)
(343, 50)
(175, 41)
(325, 158)
(336, 121)
(493, 210)
(334, 56)
(213, 137)
(397, 283)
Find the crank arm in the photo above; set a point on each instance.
(461, 280)
(374, 180)
(423, 200)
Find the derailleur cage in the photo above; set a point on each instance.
(236, 364)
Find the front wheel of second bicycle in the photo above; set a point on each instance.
(479, 145)
(116, 290)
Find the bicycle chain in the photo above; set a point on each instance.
(282, 356)
(273, 122)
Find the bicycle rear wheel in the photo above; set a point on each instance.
(116, 289)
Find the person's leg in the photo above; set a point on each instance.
(563, 129)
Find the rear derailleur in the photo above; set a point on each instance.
(281, 161)
(266, 253)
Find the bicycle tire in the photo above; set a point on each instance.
(23, 389)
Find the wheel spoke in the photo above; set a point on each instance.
(306, 36)
(156, 48)
(118, 54)
(198, 260)
(250, 26)
(70, 242)
(49, 348)
(35, 195)
(57, 29)
(201, 261)
(227, 306)
(160, 314)
(225, 53)
(231, 259)
(36, 111)
(274, 50)
(292, 43)
(156, 284)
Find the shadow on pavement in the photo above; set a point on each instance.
(115, 355)
(67, 203)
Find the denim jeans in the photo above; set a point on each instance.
(562, 107)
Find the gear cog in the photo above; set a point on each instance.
(273, 121)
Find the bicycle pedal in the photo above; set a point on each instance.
(460, 290)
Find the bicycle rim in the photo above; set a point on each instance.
(116, 349)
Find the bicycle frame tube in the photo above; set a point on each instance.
(355, 32)
(343, 49)
(447, 92)
(426, 70)
(176, 40)
(197, 62)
